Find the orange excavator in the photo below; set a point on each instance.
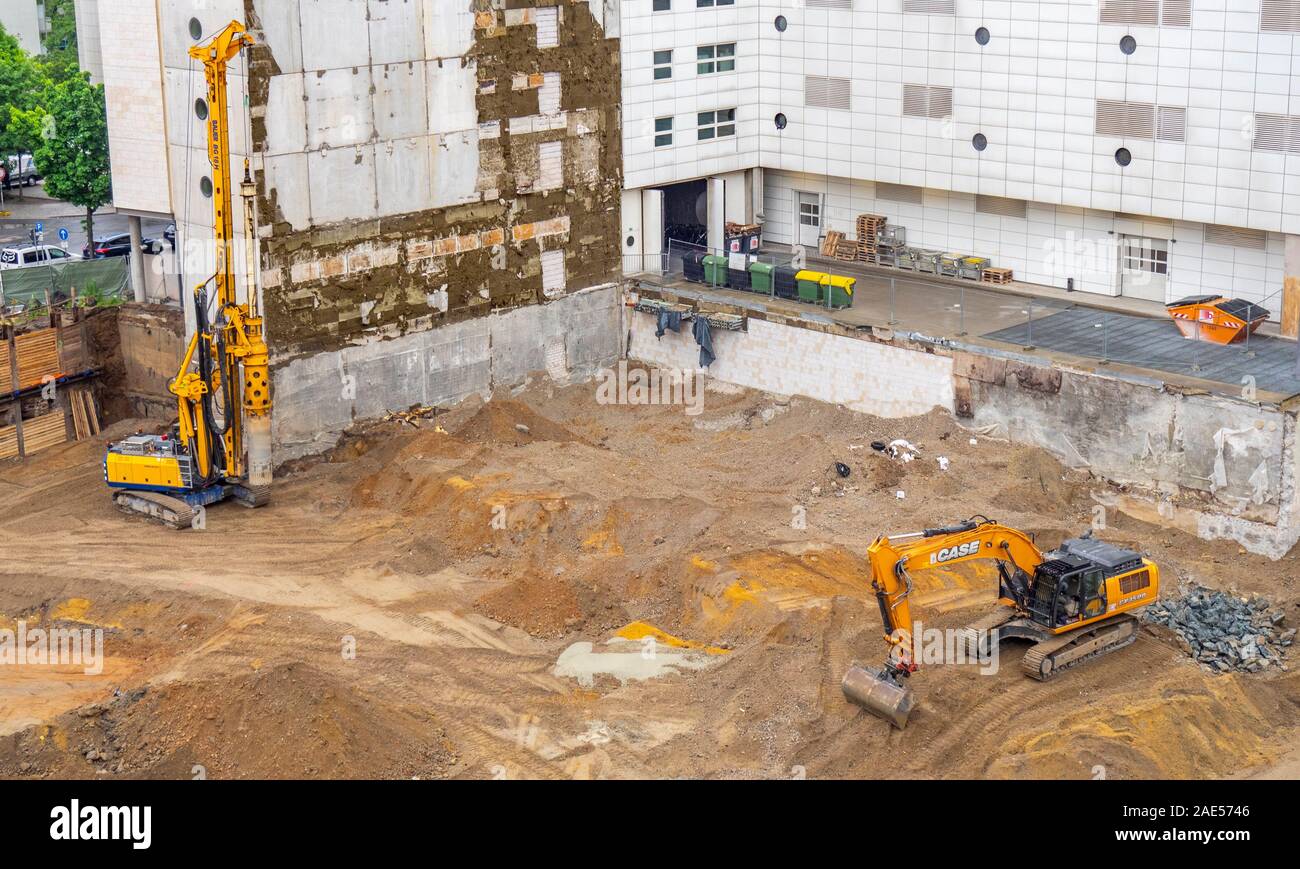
(1074, 604)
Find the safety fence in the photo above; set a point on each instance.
(1227, 344)
(23, 289)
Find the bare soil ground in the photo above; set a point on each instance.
(497, 574)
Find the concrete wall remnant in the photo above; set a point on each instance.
(437, 152)
(1213, 465)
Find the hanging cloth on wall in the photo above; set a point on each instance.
(668, 320)
(704, 336)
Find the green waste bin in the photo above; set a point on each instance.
(715, 271)
(810, 285)
(840, 290)
(761, 277)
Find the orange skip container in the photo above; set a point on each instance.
(1216, 319)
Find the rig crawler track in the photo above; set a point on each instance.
(1045, 660)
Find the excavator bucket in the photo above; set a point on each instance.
(877, 693)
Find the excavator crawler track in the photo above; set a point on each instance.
(173, 513)
(1052, 657)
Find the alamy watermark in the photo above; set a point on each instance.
(652, 387)
(53, 647)
(948, 646)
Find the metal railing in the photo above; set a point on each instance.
(955, 308)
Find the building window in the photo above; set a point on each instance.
(810, 214)
(663, 64)
(662, 5)
(1139, 257)
(717, 124)
(716, 58)
(663, 132)
(700, 4)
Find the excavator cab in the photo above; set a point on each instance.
(1072, 585)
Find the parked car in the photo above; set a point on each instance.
(169, 235)
(117, 245)
(20, 171)
(33, 255)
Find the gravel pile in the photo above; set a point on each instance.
(1225, 632)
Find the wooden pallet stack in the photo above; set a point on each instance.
(997, 276)
(831, 242)
(869, 227)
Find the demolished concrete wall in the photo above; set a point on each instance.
(323, 394)
(428, 162)
(1214, 466)
(152, 347)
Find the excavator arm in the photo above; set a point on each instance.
(893, 560)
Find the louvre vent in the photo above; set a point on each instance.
(1000, 206)
(1176, 13)
(1130, 11)
(1280, 16)
(827, 93)
(899, 192)
(1171, 123)
(829, 4)
(920, 101)
(1115, 118)
(1277, 133)
(931, 7)
(1232, 236)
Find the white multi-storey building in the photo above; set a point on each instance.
(25, 20)
(1146, 148)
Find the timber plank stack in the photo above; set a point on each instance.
(38, 359)
(39, 434)
(869, 227)
(44, 432)
(85, 416)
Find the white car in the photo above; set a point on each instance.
(33, 255)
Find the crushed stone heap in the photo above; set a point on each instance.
(1225, 632)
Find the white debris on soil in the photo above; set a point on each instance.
(627, 661)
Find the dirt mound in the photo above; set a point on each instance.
(504, 422)
(1041, 484)
(543, 602)
(292, 721)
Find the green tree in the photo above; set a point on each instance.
(60, 60)
(73, 152)
(23, 84)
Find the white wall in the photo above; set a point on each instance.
(21, 19)
(133, 91)
(786, 360)
(89, 55)
(1031, 91)
(682, 97)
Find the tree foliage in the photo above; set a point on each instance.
(73, 149)
(23, 87)
(60, 59)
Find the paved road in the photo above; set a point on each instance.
(37, 206)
